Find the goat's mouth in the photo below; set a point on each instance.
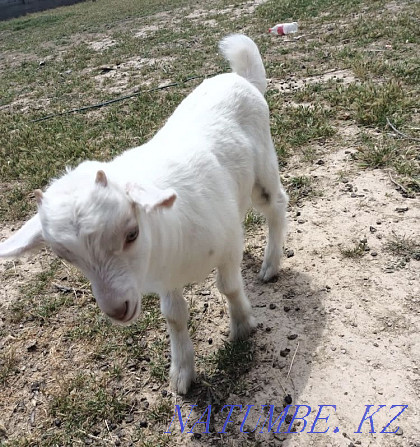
(130, 315)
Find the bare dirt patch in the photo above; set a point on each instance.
(16, 59)
(103, 44)
(146, 31)
(117, 79)
(235, 10)
(344, 77)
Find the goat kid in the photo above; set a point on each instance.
(165, 214)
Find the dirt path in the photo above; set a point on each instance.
(358, 320)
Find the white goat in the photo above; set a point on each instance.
(165, 214)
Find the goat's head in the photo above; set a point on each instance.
(99, 226)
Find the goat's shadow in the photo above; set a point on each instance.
(272, 367)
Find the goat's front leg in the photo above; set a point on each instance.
(175, 309)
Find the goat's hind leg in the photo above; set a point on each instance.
(229, 282)
(175, 310)
(269, 197)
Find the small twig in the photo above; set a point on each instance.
(254, 388)
(377, 50)
(282, 387)
(293, 388)
(62, 288)
(66, 289)
(293, 359)
(397, 184)
(398, 132)
(205, 383)
(96, 438)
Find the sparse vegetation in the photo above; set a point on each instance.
(299, 188)
(8, 364)
(38, 302)
(360, 248)
(295, 126)
(389, 152)
(226, 367)
(253, 219)
(81, 403)
(162, 411)
(403, 247)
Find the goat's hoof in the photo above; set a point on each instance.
(241, 330)
(181, 379)
(268, 273)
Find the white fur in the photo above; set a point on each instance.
(187, 190)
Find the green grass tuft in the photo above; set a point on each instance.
(358, 251)
(403, 246)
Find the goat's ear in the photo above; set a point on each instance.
(39, 196)
(151, 198)
(29, 237)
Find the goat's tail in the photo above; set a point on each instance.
(245, 59)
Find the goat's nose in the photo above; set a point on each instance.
(120, 312)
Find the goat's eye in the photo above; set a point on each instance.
(132, 235)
